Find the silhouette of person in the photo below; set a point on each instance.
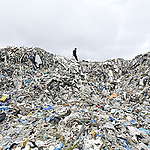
(75, 54)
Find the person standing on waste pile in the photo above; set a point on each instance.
(75, 54)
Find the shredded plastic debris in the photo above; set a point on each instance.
(50, 102)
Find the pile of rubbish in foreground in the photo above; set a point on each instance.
(48, 102)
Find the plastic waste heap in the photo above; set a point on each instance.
(50, 102)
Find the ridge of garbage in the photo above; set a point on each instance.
(64, 104)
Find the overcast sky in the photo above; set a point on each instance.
(100, 29)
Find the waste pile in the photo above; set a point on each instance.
(49, 102)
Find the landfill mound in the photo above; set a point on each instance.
(49, 102)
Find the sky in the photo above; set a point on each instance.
(99, 29)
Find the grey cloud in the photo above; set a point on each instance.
(99, 29)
